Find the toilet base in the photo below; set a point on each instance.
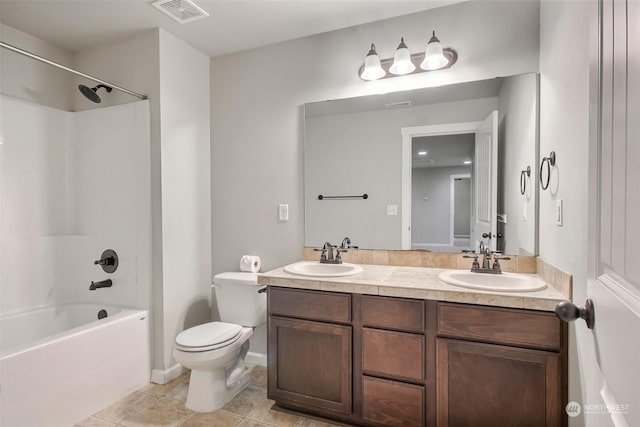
(208, 390)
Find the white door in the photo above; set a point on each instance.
(485, 196)
(613, 377)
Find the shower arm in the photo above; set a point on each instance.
(71, 70)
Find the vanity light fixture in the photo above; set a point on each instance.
(467, 162)
(372, 69)
(422, 153)
(434, 57)
(402, 60)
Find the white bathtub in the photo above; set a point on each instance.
(61, 364)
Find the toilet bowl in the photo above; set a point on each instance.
(215, 351)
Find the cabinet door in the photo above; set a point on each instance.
(310, 364)
(492, 385)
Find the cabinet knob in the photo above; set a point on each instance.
(568, 312)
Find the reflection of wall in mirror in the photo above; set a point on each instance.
(430, 206)
(517, 139)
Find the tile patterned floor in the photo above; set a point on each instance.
(163, 405)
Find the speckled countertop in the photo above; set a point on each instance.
(413, 282)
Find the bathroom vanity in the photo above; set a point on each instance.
(394, 346)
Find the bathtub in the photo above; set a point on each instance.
(61, 364)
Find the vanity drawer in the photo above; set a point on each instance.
(500, 325)
(315, 305)
(393, 354)
(390, 403)
(392, 313)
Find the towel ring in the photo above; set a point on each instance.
(523, 179)
(550, 161)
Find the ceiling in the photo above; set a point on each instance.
(233, 25)
(442, 150)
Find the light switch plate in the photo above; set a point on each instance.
(283, 212)
(392, 209)
(559, 212)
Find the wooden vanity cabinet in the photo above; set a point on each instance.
(382, 361)
(310, 350)
(500, 367)
(391, 367)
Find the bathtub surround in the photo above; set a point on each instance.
(95, 362)
(175, 76)
(69, 204)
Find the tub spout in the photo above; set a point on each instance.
(102, 284)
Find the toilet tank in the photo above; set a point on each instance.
(238, 299)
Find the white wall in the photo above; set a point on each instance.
(430, 218)
(25, 78)
(564, 124)
(186, 188)
(257, 120)
(518, 139)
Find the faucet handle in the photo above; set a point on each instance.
(496, 262)
(475, 265)
(323, 255)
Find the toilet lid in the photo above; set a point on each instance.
(209, 334)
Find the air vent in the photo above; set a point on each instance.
(182, 11)
(401, 104)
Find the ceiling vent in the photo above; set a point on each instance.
(182, 11)
(400, 104)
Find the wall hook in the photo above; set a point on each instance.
(550, 161)
(526, 173)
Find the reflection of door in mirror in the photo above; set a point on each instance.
(485, 201)
(441, 167)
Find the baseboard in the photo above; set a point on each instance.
(256, 359)
(160, 376)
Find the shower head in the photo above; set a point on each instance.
(92, 92)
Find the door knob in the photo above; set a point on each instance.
(568, 312)
(486, 235)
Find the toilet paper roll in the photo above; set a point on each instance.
(250, 263)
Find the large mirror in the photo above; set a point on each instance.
(440, 169)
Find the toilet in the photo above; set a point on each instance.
(215, 351)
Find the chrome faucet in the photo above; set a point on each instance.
(486, 262)
(327, 255)
(345, 243)
(327, 251)
(102, 284)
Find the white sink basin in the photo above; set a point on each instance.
(505, 282)
(315, 269)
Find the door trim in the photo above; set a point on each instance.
(408, 133)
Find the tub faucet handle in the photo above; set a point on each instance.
(105, 261)
(108, 261)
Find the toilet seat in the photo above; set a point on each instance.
(208, 336)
